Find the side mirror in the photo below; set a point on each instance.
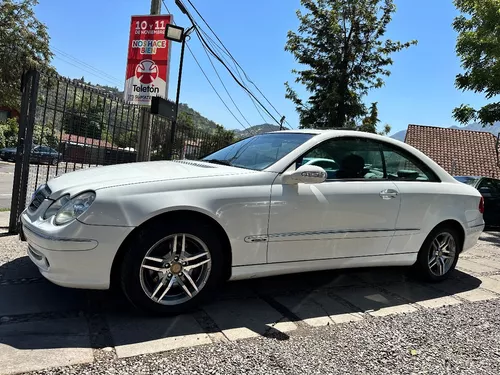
(306, 174)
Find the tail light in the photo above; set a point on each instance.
(481, 205)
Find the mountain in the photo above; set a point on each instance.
(494, 129)
(400, 136)
(256, 129)
(198, 120)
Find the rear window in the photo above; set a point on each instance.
(466, 180)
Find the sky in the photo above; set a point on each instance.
(93, 35)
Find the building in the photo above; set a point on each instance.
(459, 152)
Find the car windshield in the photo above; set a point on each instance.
(260, 151)
(466, 180)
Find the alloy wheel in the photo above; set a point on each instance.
(175, 269)
(442, 253)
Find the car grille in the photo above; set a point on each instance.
(40, 195)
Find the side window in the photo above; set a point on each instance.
(404, 167)
(348, 158)
(490, 185)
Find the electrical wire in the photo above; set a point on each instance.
(84, 69)
(78, 61)
(225, 88)
(210, 82)
(215, 90)
(232, 57)
(213, 44)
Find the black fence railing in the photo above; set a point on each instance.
(190, 142)
(66, 125)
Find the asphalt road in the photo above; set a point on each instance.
(6, 176)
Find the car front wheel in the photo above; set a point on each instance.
(171, 268)
(439, 254)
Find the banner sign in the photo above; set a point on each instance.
(148, 59)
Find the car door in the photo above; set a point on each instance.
(352, 214)
(489, 190)
(421, 194)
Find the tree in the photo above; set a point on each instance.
(219, 139)
(85, 117)
(370, 122)
(24, 42)
(8, 133)
(477, 46)
(342, 45)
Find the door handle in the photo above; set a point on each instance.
(388, 194)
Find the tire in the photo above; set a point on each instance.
(424, 266)
(140, 283)
(54, 161)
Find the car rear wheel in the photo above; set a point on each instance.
(171, 270)
(439, 254)
(54, 161)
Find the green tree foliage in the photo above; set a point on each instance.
(8, 133)
(341, 43)
(84, 117)
(370, 122)
(24, 42)
(478, 48)
(45, 135)
(221, 138)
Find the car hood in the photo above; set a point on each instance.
(137, 173)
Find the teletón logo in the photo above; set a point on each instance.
(146, 71)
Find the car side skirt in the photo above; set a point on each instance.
(273, 269)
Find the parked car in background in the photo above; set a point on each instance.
(39, 154)
(490, 190)
(45, 154)
(8, 153)
(169, 232)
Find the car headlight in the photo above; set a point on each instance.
(74, 208)
(56, 206)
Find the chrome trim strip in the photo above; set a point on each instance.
(351, 231)
(264, 238)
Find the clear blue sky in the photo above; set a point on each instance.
(420, 90)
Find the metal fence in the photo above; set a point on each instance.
(66, 125)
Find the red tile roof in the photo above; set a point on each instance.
(86, 141)
(459, 152)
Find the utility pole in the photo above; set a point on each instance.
(144, 147)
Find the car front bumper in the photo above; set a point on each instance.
(76, 255)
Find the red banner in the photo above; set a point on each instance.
(148, 58)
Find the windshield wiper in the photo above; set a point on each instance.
(219, 161)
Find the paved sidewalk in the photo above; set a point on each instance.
(43, 326)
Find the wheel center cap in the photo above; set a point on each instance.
(176, 268)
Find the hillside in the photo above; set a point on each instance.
(198, 120)
(256, 129)
(494, 129)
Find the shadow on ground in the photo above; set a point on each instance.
(35, 314)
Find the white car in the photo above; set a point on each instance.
(169, 232)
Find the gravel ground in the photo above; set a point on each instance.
(462, 339)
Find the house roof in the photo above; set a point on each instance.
(83, 141)
(459, 152)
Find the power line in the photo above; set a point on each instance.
(84, 69)
(215, 90)
(225, 88)
(102, 72)
(213, 87)
(232, 57)
(212, 42)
